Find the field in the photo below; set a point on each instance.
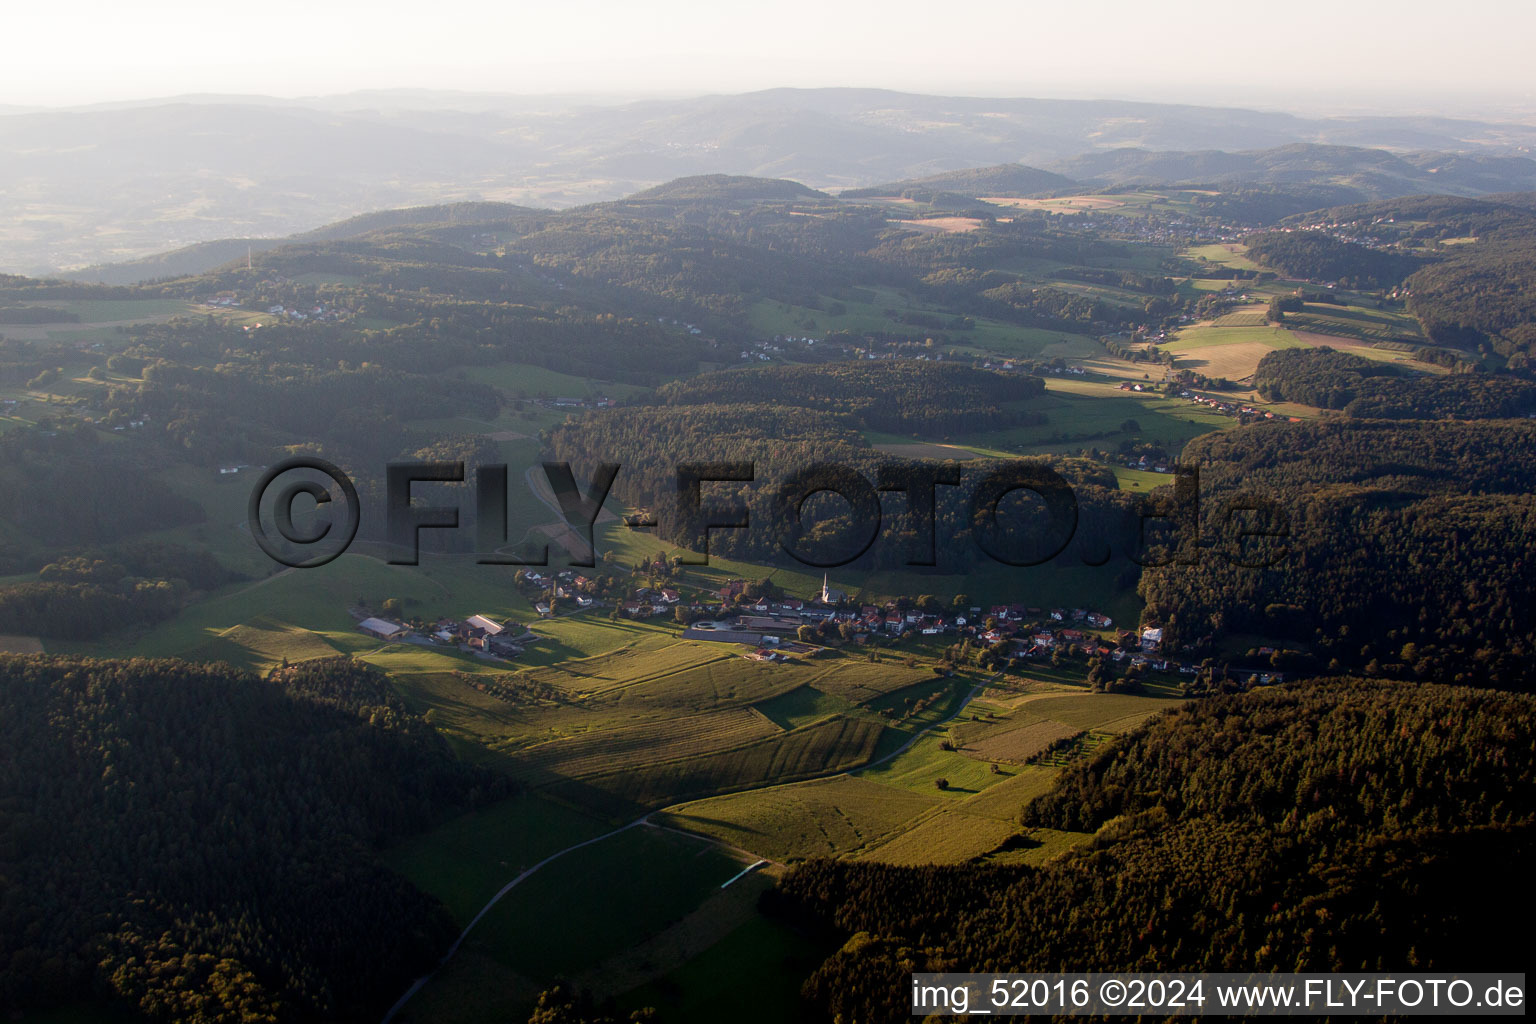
(1357, 323)
(835, 745)
(464, 862)
(752, 976)
(825, 818)
(262, 644)
(949, 837)
(520, 380)
(1230, 352)
(1019, 744)
(1064, 204)
(942, 225)
(98, 319)
(802, 706)
(1223, 254)
(1130, 203)
(12, 644)
(881, 309)
(601, 751)
(921, 766)
(636, 893)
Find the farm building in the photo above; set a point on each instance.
(382, 628)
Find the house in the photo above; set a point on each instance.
(1151, 637)
(383, 628)
(764, 654)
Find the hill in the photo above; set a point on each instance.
(331, 158)
(1368, 173)
(197, 842)
(207, 256)
(1338, 825)
(738, 188)
(1001, 180)
(900, 397)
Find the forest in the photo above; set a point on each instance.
(784, 442)
(1316, 256)
(1396, 548)
(195, 843)
(908, 397)
(1336, 825)
(1371, 389)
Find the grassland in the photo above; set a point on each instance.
(1080, 413)
(589, 906)
(262, 644)
(753, 976)
(1019, 744)
(1356, 322)
(880, 310)
(825, 818)
(1230, 352)
(1232, 255)
(98, 320)
(835, 745)
(921, 766)
(802, 706)
(464, 862)
(1130, 203)
(593, 895)
(949, 837)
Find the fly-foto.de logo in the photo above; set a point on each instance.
(305, 512)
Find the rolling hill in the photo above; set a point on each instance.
(92, 185)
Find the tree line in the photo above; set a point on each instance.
(1336, 825)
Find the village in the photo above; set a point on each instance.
(768, 626)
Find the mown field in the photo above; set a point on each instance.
(1230, 352)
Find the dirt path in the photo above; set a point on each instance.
(528, 873)
(645, 821)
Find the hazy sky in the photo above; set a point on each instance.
(1310, 54)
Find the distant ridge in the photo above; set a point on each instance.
(1371, 173)
(729, 188)
(998, 180)
(263, 168)
(205, 256)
